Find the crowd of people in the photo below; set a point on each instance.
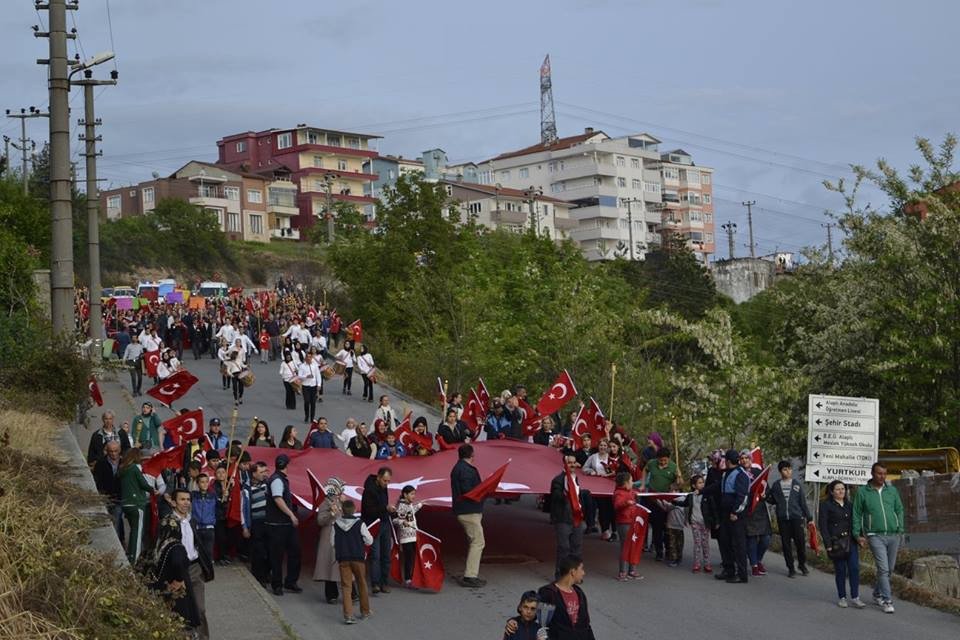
(181, 516)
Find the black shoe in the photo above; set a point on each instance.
(472, 583)
(791, 574)
(722, 576)
(804, 571)
(592, 530)
(293, 587)
(278, 591)
(332, 600)
(659, 557)
(735, 580)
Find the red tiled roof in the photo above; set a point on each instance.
(561, 143)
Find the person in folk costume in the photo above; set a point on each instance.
(326, 567)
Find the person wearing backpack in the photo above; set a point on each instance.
(350, 535)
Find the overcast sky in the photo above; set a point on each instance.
(775, 95)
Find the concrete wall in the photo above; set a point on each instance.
(743, 278)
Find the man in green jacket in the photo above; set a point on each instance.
(878, 520)
(145, 429)
(134, 498)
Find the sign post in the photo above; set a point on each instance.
(842, 438)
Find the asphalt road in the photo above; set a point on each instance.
(519, 556)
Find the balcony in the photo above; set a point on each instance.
(344, 175)
(509, 217)
(589, 234)
(572, 171)
(595, 211)
(282, 202)
(565, 224)
(285, 234)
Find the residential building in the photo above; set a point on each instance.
(326, 165)
(612, 184)
(248, 206)
(497, 207)
(742, 278)
(687, 193)
(388, 170)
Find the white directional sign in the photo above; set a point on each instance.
(842, 439)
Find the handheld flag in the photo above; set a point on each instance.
(488, 487)
(174, 387)
(560, 393)
(573, 495)
(757, 488)
(151, 359)
(171, 458)
(95, 394)
(186, 426)
(632, 551)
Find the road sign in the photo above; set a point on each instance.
(842, 438)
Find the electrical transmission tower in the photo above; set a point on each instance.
(730, 228)
(548, 119)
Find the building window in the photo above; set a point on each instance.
(552, 166)
(344, 189)
(342, 165)
(113, 202)
(353, 143)
(233, 222)
(475, 207)
(148, 196)
(670, 173)
(696, 236)
(219, 215)
(706, 198)
(254, 196)
(692, 177)
(256, 224)
(505, 175)
(634, 163)
(636, 184)
(318, 184)
(313, 138)
(708, 237)
(318, 162)
(284, 140)
(708, 218)
(651, 187)
(524, 172)
(621, 161)
(390, 174)
(704, 178)
(621, 182)
(333, 141)
(241, 146)
(695, 216)
(232, 193)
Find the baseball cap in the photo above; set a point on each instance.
(214, 421)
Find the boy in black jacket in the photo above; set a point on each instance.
(350, 535)
(571, 618)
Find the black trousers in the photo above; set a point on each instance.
(367, 387)
(733, 537)
(136, 377)
(237, 388)
(309, 403)
(605, 513)
(283, 539)
(290, 397)
(205, 537)
(409, 550)
(195, 346)
(259, 554)
(792, 534)
(658, 525)
(220, 534)
(347, 380)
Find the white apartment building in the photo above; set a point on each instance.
(613, 184)
(516, 210)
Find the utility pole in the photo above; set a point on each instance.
(829, 226)
(23, 147)
(61, 270)
(328, 179)
(90, 137)
(531, 194)
(5, 165)
(730, 228)
(749, 205)
(630, 202)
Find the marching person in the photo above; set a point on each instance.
(405, 519)
(365, 366)
(836, 529)
(453, 430)
(289, 376)
(360, 446)
(201, 564)
(133, 359)
(236, 366)
(350, 534)
(569, 537)
(734, 498)
(571, 617)
(223, 354)
(792, 517)
(525, 625)
(289, 439)
(261, 436)
(312, 381)
(391, 448)
(282, 535)
(106, 475)
(464, 477)
(326, 568)
(386, 413)
(375, 505)
(878, 521)
(321, 437)
(624, 502)
(105, 435)
(253, 514)
(134, 497)
(348, 358)
(218, 439)
(145, 429)
(659, 475)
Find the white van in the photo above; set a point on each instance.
(212, 290)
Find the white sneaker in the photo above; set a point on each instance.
(878, 600)
(858, 603)
(888, 607)
(842, 603)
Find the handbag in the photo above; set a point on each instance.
(839, 548)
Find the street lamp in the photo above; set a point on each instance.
(328, 180)
(531, 194)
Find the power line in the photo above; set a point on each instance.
(110, 26)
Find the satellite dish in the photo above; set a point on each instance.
(156, 175)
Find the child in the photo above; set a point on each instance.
(701, 519)
(220, 530)
(676, 517)
(350, 535)
(203, 505)
(406, 522)
(624, 500)
(264, 341)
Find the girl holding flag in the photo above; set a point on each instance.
(405, 520)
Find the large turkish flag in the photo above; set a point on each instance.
(560, 393)
(186, 426)
(174, 387)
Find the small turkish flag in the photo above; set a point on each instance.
(171, 458)
(560, 393)
(316, 489)
(95, 391)
(312, 315)
(573, 495)
(483, 395)
(248, 305)
(632, 551)
(756, 457)
(428, 572)
(488, 487)
(589, 420)
(306, 439)
(410, 439)
(529, 419)
(186, 426)
(757, 488)
(151, 359)
(174, 387)
(356, 330)
(474, 414)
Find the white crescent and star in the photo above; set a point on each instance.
(428, 563)
(564, 391)
(164, 391)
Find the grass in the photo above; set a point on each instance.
(51, 584)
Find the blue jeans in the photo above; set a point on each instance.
(884, 550)
(756, 547)
(849, 568)
(380, 554)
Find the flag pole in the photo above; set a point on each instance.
(676, 449)
(613, 378)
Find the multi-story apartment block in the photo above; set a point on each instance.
(248, 206)
(613, 185)
(688, 201)
(388, 170)
(516, 210)
(327, 166)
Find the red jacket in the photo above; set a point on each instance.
(623, 502)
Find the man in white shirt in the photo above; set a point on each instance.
(312, 380)
(181, 512)
(149, 340)
(227, 332)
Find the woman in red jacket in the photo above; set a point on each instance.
(624, 501)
